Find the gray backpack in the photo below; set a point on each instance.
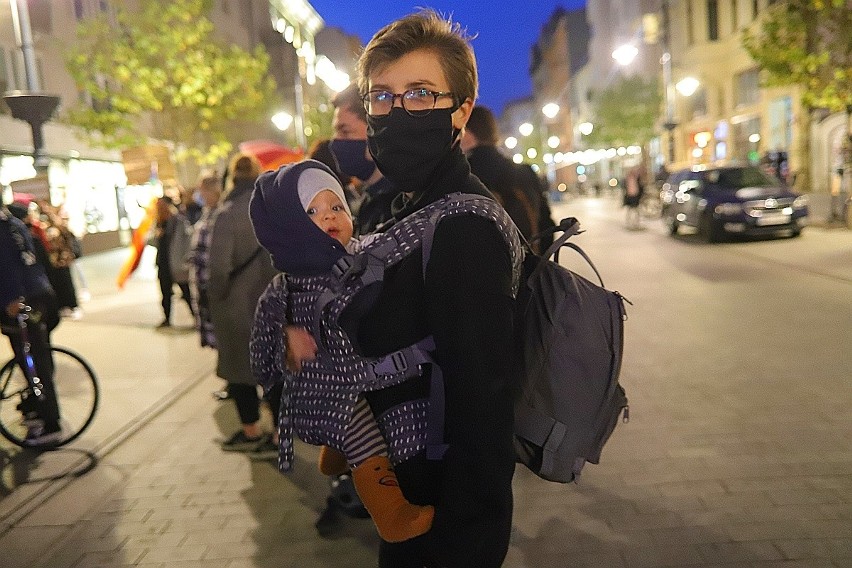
(570, 334)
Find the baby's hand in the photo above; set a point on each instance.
(301, 347)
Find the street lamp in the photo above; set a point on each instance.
(282, 120)
(687, 86)
(550, 110)
(666, 61)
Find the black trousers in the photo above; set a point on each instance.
(38, 331)
(164, 275)
(248, 403)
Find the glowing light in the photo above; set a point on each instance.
(553, 142)
(625, 54)
(697, 152)
(532, 153)
(518, 158)
(550, 110)
(585, 128)
(282, 120)
(547, 158)
(525, 129)
(511, 142)
(687, 86)
(754, 138)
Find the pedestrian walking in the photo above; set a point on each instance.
(172, 234)
(633, 192)
(239, 270)
(419, 79)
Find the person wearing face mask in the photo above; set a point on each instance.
(419, 82)
(349, 147)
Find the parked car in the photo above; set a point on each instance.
(731, 200)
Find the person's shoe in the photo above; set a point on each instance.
(239, 442)
(266, 450)
(329, 521)
(43, 436)
(164, 323)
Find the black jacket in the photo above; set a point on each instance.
(376, 206)
(520, 195)
(465, 303)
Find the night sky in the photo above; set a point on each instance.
(506, 32)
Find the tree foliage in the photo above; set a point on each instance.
(806, 43)
(157, 71)
(626, 112)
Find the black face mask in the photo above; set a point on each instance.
(351, 156)
(407, 149)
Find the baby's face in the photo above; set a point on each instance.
(328, 213)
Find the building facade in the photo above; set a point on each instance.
(90, 183)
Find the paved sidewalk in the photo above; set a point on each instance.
(696, 485)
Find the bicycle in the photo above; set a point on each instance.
(75, 383)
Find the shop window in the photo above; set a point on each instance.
(697, 103)
(743, 133)
(713, 20)
(747, 88)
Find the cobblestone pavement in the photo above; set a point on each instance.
(697, 478)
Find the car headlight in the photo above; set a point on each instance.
(800, 202)
(728, 208)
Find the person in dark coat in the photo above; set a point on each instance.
(420, 82)
(172, 241)
(497, 172)
(239, 270)
(23, 281)
(349, 147)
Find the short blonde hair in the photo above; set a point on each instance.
(428, 30)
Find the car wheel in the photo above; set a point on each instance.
(709, 230)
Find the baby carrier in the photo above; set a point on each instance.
(318, 402)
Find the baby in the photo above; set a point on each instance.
(287, 209)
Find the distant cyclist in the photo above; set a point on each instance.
(23, 282)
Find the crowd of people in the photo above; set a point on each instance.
(244, 245)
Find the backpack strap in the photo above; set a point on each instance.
(569, 226)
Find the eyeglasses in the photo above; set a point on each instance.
(416, 102)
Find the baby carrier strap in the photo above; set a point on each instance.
(353, 273)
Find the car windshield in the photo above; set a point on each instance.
(737, 178)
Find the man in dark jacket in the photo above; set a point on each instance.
(23, 282)
(349, 147)
(515, 186)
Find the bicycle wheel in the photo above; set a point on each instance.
(76, 391)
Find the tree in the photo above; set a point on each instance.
(625, 113)
(806, 43)
(160, 66)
